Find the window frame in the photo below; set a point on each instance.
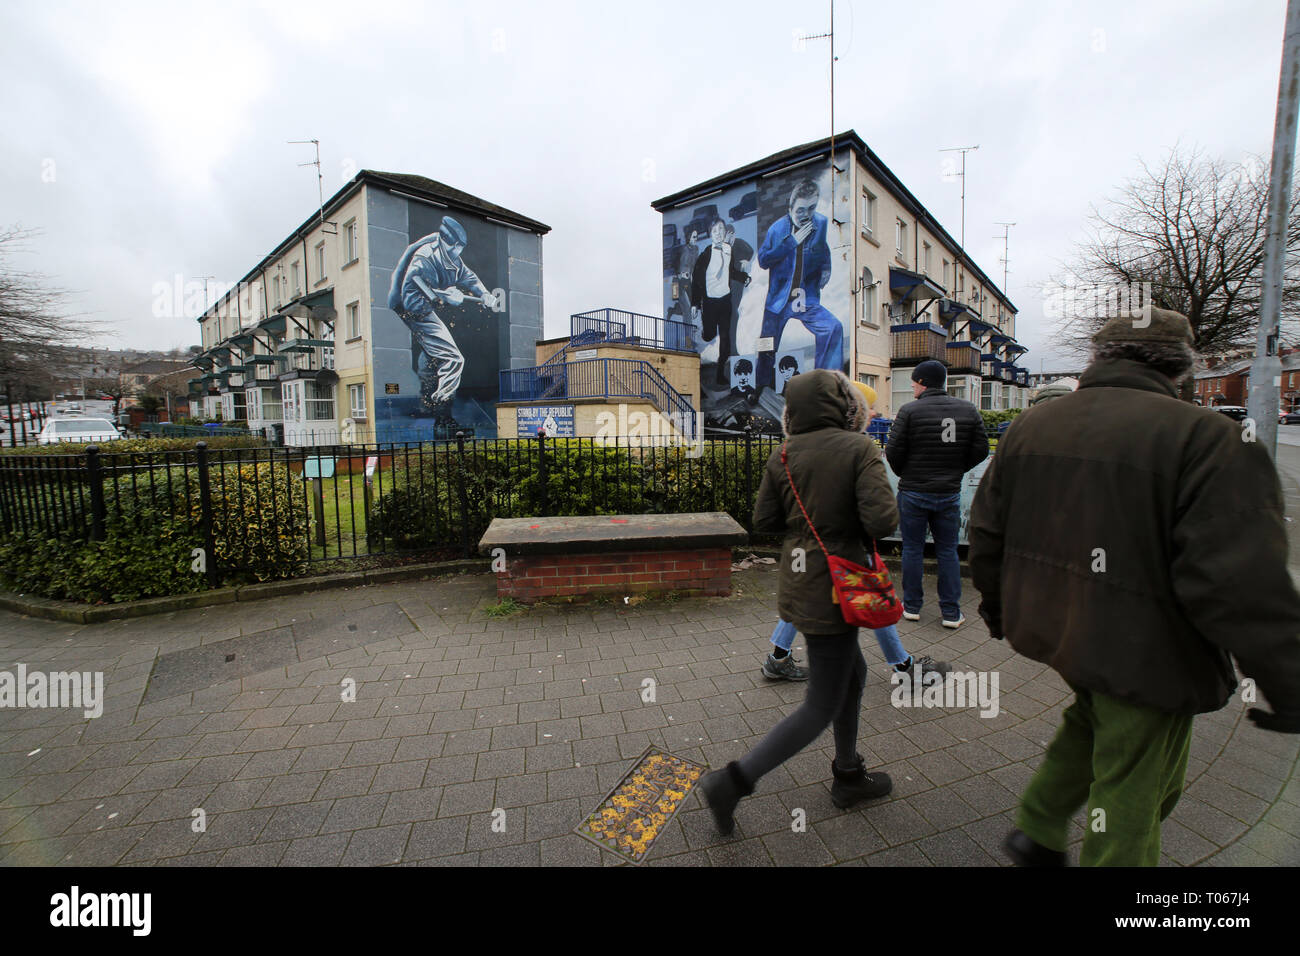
(868, 212)
(351, 241)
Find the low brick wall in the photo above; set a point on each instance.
(532, 577)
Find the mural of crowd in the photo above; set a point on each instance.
(753, 273)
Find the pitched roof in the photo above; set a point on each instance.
(422, 185)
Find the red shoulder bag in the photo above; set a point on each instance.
(865, 595)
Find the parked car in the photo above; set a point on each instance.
(1289, 418)
(78, 430)
(1235, 412)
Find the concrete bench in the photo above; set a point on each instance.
(612, 554)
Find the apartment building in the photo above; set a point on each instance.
(385, 316)
(828, 268)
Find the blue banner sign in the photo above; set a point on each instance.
(556, 419)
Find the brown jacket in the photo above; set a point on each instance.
(1133, 542)
(841, 478)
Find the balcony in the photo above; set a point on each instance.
(963, 357)
(916, 342)
(628, 328)
(303, 358)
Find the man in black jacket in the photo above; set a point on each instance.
(934, 441)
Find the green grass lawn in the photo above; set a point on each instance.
(345, 513)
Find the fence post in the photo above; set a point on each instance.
(749, 475)
(542, 473)
(96, 493)
(464, 496)
(13, 432)
(205, 512)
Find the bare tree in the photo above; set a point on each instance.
(35, 329)
(1194, 230)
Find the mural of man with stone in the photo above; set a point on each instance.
(429, 275)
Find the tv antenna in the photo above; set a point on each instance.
(320, 178)
(1006, 251)
(829, 35)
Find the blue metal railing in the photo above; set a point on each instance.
(632, 328)
(599, 378)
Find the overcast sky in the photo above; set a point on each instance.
(147, 141)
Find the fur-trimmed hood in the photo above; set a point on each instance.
(822, 398)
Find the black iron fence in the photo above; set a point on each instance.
(270, 512)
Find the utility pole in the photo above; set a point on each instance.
(961, 253)
(1266, 370)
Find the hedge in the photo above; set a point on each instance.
(121, 445)
(151, 530)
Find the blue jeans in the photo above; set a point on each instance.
(886, 637)
(943, 514)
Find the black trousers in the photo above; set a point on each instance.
(837, 674)
(715, 316)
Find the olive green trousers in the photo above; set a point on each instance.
(1126, 763)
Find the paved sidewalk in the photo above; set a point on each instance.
(457, 714)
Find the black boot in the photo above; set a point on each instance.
(722, 791)
(1024, 851)
(855, 784)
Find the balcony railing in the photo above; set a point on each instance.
(917, 341)
(963, 356)
(628, 328)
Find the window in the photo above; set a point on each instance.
(357, 400)
(900, 237)
(320, 261)
(869, 299)
(327, 357)
(925, 261)
(945, 274)
(868, 212)
(354, 320)
(296, 286)
(350, 240)
(275, 291)
(868, 380)
(253, 398)
(292, 401)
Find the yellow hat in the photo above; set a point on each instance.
(868, 391)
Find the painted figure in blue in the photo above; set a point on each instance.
(430, 273)
(798, 260)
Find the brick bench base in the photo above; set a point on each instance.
(532, 577)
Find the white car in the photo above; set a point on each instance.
(78, 430)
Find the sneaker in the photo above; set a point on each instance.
(909, 616)
(961, 619)
(784, 669)
(855, 785)
(923, 667)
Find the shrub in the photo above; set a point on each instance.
(993, 419)
(214, 443)
(152, 525)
